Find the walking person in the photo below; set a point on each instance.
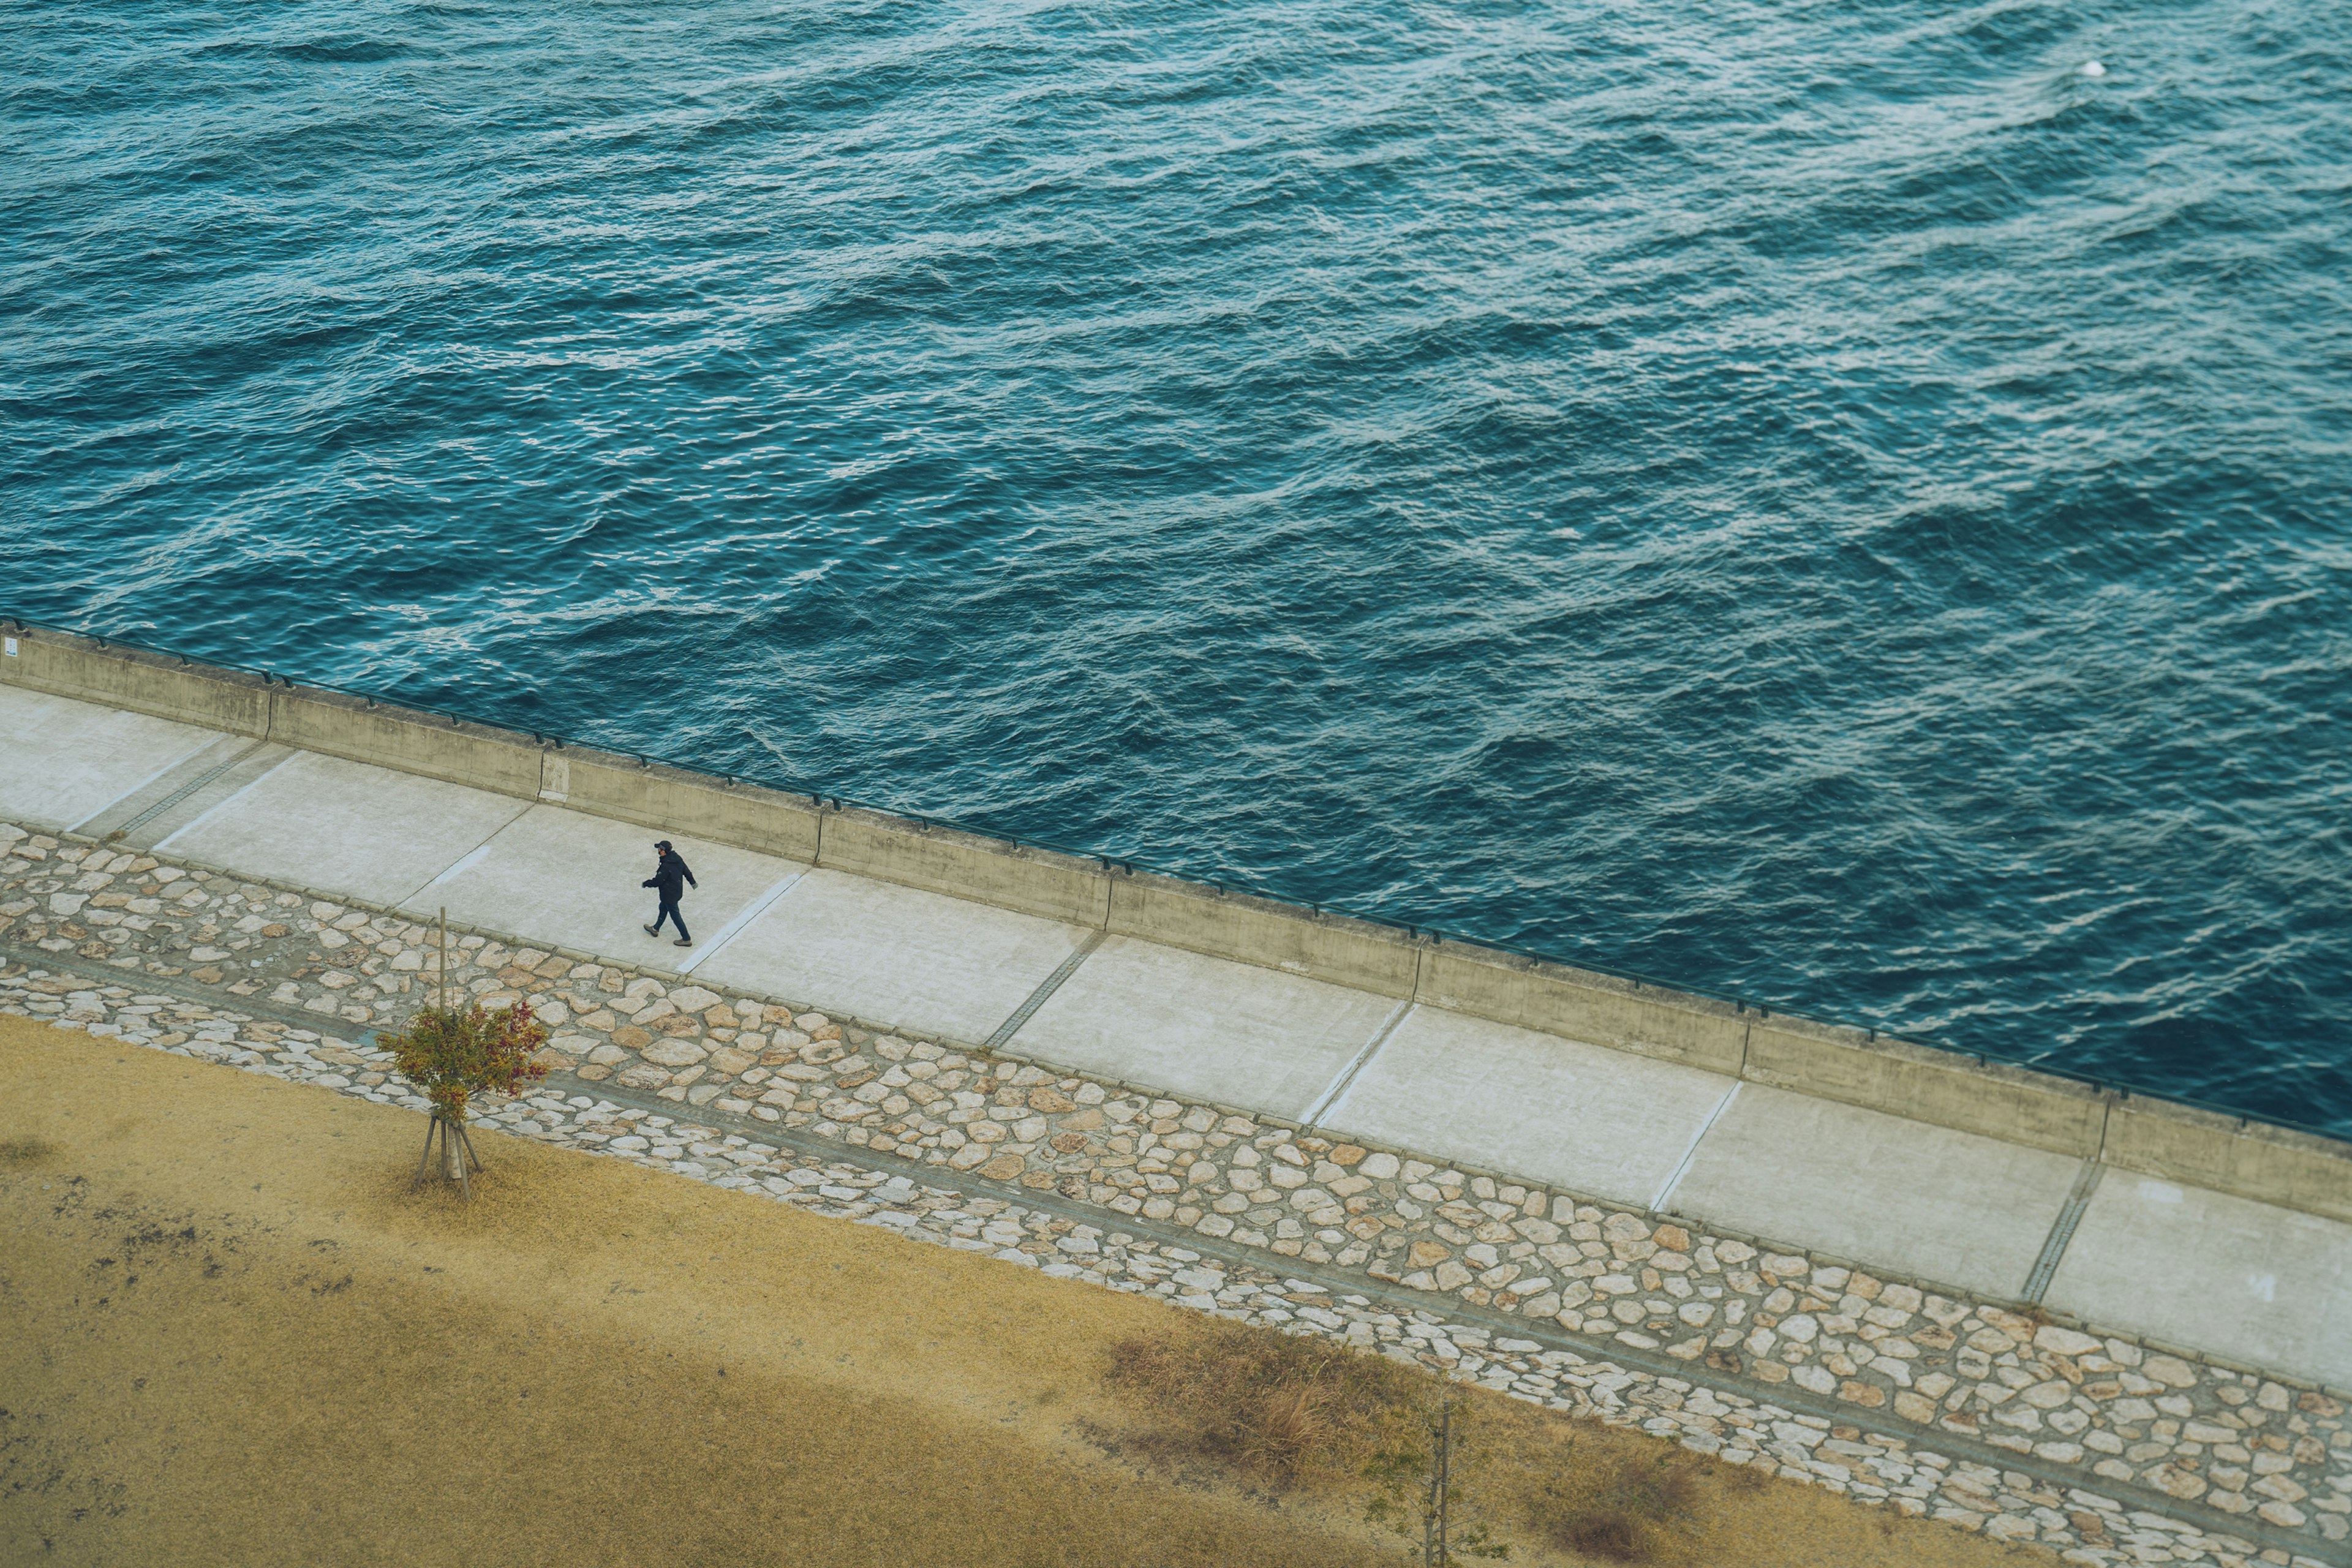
(671, 877)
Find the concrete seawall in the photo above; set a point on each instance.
(2145, 1135)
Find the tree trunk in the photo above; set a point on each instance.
(453, 1152)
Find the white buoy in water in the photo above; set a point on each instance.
(2093, 67)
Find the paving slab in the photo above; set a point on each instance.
(1232, 1034)
(345, 827)
(1590, 1119)
(2254, 1284)
(565, 877)
(183, 792)
(63, 761)
(1944, 1206)
(893, 955)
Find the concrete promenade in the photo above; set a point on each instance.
(2252, 1283)
(1913, 1278)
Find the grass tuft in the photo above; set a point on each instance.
(1630, 1506)
(1280, 1409)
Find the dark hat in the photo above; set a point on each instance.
(662, 843)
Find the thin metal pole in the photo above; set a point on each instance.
(1429, 1510)
(1429, 1502)
(1444, 1480)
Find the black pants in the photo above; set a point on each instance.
(669, 912)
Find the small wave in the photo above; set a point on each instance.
(346, 51)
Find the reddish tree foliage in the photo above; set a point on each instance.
(455, 1053)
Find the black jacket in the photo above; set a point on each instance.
(667, 876)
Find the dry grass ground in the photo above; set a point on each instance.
(232, 1336)
(1305, 1417)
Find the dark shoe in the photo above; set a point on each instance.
(653, 930)
(683, 941)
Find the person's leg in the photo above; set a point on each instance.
(684, 938)
(668, 913)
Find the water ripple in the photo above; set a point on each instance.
(1824, 501)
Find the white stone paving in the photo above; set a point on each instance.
(900, 956)
(1595, 1120)
(2276, 1287)
(345, 827)
(572, 880)
(1928, 1202)
(62, 762)
(1227, 1033)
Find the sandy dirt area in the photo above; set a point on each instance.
(234, 1335)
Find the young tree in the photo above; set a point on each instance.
(453, 1053)
(1418, 1478)
(459, 1052)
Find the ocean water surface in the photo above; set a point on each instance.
(1834, 502)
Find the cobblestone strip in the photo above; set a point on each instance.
(1438, 1255)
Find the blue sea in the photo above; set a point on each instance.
(1846, 503)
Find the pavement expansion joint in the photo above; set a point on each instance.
(1046, 989)
(2061, 1230)
(736, 927)
(225, 803)
(1666, 1193)
(1334, 1098)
